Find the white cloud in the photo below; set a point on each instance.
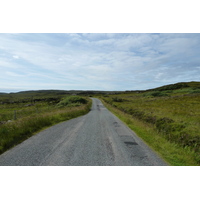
(114, 61)
(16, 57)
(158, 75)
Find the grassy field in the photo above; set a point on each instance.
(167, 117)
(24, 114)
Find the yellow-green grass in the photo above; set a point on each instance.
(16, 131)
(183, 110)
(170, 125)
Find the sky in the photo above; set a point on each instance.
(92, 61)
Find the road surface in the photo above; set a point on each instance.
(96, 139)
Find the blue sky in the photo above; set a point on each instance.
(97, 61)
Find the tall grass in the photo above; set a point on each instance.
(14, 132)
(175, 118)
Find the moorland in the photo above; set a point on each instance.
(167, 118)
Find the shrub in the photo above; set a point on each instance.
(156, 94)
(72, 101)
(195, 91)
(117, 99)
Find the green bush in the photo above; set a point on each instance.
(195, 91)
(155, 94)
(117, 99)
(72, 101)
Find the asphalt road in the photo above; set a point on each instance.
(96, 139)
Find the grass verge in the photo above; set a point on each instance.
(171, 152)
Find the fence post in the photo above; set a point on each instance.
(15, 115)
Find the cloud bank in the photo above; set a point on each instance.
(97, 61)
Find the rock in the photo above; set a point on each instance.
(2, 122)
(27, 105)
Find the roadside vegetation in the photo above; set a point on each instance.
(167, 118)
(24, 114)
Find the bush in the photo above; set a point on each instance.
(117, 99)
(72, 101)
(156, 94)
(195, 91)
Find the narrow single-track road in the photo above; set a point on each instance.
(96, 139)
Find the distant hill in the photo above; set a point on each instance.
(41, 92)
(181, 85)
(193, 85)
(53, 93)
